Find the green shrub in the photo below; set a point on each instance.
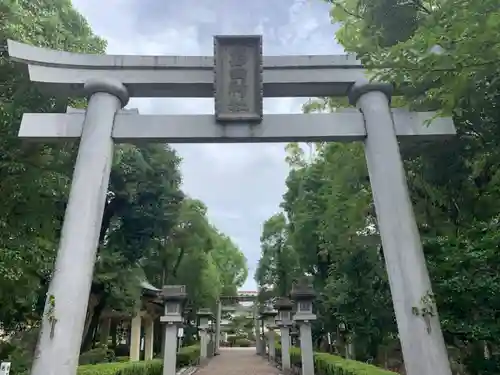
(124, 358)
(244, 343)
(102, 368)
(232, 340)
(19, 351)
(154, 367)
(186, 356)
(329, 364)
(97, 355)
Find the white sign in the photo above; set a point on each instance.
(180, 332)
(5, 368)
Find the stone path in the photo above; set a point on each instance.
(238, 361)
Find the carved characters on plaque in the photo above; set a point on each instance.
(238, 74)
(238, 79)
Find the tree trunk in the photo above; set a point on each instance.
(90, 312)
(178, 262)
(94, 322)
(113, 332)
(158, 337)
(109, 211)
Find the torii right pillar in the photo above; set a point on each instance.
(422, 342)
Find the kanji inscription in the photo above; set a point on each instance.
(238, 78)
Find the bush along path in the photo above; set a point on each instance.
(329, 364)
(186, 357)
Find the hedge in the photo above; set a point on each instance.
(97, 355)
(329, 364)
(243, 343)
(186, 356)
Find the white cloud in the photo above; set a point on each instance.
(241, 184)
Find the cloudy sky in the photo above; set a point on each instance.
(242, 185)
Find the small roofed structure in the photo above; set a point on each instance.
(120, 328)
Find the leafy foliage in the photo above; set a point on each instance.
(441, 55)
(97, 355)
(186, 356)
(35, 177)
(279, 263)
(150, 229)
(327, 364)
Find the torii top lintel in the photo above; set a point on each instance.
(242, 296)
(64, 73)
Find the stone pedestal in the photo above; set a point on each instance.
(268, 317)
(170, 353)
(271, 339)
(163, 339)
(284, 321)
(285, 348)
(218, 319)
(173, 297)
(306, 348)
(259, 344)
(256, 322)
(211, 341)
(303, 295)
(204, 317)
(203, 344)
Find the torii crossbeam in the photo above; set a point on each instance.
(238, 77)
(343, 126)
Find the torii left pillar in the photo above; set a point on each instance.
(63, 321)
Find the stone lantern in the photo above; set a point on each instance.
(268, 316)
(205, 316)
(173, 297)
(303, 294)
(345, 339)
(284, 322)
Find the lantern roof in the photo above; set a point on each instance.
(283, 303)
(173, 293)
(303, 290)
(205, 313)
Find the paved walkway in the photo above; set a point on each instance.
(238, 361)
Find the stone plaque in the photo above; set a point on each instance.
(238, 78)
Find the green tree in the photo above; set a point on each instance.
(231, 264)
(144, 200)
(150, 230)
(35, 177)
(441, 55)
(278, 266)
(445, 57)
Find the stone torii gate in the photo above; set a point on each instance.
(238, 77)
(242, 296)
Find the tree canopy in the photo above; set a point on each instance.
(442, 55)
(151, 230)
